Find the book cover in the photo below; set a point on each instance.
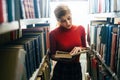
(42, 37)
(113, 48)
(75, 51)
(17, 46)
(38, 56)
(108, 44)
(94, 66)
(12, 64)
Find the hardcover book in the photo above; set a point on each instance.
(12, 62)
(3, 11)
(74, 52)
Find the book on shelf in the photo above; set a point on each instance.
(12, 61)
(68, 55)
(10, 10)
(3, 11)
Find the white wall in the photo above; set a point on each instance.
(79, 11)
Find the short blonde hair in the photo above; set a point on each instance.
(61, 10)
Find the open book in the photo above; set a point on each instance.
(76, 51)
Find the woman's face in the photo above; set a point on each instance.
(65, 21)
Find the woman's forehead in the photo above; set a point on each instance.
(66, 16)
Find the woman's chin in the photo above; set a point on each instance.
(68, 27)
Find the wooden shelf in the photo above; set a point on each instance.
(24, 22)
(112, 14)
(10, 26)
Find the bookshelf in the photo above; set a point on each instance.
(110, 14)
(17, 18)
(9, 26)
(112, 74)
(33, 21)
(97, 21)
(19, 25)
(105, 14)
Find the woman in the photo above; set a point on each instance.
(64, 38)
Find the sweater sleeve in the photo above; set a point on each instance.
(52, 43)
(83, 36)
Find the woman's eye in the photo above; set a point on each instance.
(69, 18)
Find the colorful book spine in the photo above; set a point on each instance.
(113, 5)
(113, 51)
(3, 11)
(11, 10)
(26, 8)
(19, 9)
(36, 8)
(108, 44)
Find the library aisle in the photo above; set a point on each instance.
(83, 65)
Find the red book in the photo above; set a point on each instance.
(113, 48)
(99, 6)
(3, 11)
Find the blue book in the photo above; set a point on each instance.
(36, 10)
(42, 38)
(38, 57)
(108, 44)
(40, 44)
(11, 10)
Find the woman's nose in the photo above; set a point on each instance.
(68, 22)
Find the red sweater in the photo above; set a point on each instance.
(66, 39)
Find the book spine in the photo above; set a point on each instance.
(11, 10)
(118, 5)
(113, 48)
(27, 62)
(36, 9)
(107, 6)
(3, 11)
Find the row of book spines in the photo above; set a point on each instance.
(9, 36)
(95, 69)
(103, 6)
(11, 10)
(31, 51)
(99, 41)
(107, 46)
(32, 57)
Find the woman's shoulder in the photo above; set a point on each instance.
(78, 27)
(54, 30)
